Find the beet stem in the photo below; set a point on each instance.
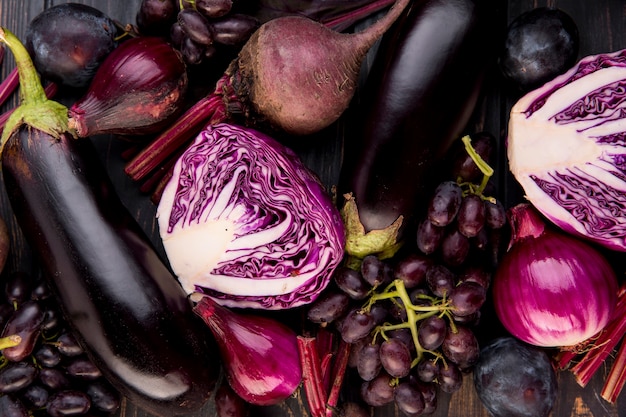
(312, 375)
(9, 85)
(356, 15)
(338, 375)
(369, 36)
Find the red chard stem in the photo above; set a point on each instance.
(9, 85)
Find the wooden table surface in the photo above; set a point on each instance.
(602, 24)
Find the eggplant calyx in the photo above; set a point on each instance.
(381, 242)
(35, 109)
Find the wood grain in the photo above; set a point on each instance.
(602, 27)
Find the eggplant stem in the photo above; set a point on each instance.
(10, 341)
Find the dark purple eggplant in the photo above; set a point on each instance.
(125, 307)
(419, 95)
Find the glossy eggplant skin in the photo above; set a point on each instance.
(126, 308)
(418, 97)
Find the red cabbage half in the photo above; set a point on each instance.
(566, 148)
(244, 221)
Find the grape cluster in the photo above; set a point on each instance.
(199, 29)
(47, 373)
(410, 319)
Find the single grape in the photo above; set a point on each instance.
(379, 313)
(11, 406)
(233, 30)
(467, 298)
(454, 248)
(409, 399)
(477, 274)
(440, 280)
(429, 237)
(427, 370)
(356, 325)
(68, 403)
(47, 355)
(54, 378)
(155, 17)
(351, 282)
(429, 393)
(379, 391)
(461, 347)
(396, 309)
(328, 307)
(374, 271)
(41, 290)
(214, 8)
(35, 396)
(395, 357)
(68, 345)
(103, 396)
(193, 52)
(495, 214)
(411, 269)
(18, 287)
(431, 332)
(195, 26)
(82, 368)
(471, 217)
(403, 335)
(445, 203)
(369, 363)
(450, 378)
(17, 376)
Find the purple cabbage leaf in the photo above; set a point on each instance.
(244, 221)
(565, 147)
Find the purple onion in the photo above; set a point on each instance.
(137, 90)
(260, 354)
(551, 289)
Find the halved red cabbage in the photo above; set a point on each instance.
(566, 148)
(244, 221)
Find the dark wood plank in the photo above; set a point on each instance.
(602, 25)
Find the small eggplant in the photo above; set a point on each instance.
(418, 97)
(125, 308)
(137, 90)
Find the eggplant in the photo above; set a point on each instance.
(125, 307)
(419, 95)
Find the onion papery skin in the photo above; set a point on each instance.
(244, 221)
(260, 354)
(552, 289)
(137, 90)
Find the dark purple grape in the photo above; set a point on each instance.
(356, 325)
(467, 298)
(193, 52)
(47, 355)
(431, 332)
(234, 30)
(379, 313)
(369, 364)
(18, 287)
(440, 280)
(540, 44)
(52, 319)
(411, 269)
(471, 217)
(404, 335)
(379, 391)
(40, 291)
(17, 376)
(395, 357)
(427, 370)
(445, 203)
(409, 399)
(68, 403)
(450, 378)
(420, 296)
(396, 309)
(352, 283)
(25, 322)
(477, 274)
(103, 396)
(454, 248)
(11, 406)
(355, 351)
(429, 393)
(177, 35)
(67, 344)
(195, 26)
(155, 17)
(513, 379)
(53, 378)
(353, 409)
(495, 214)
(464, 169)
(35, 396)
(228, 403)
(429, 237)
(328, 307)
(373, 270)
(461, 347)
(83, 368)
(214, 8)
(69, 41)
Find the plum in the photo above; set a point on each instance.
(540, 44)
(513, 379)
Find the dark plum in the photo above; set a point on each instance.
(69, 41)
(540, 44)
(513, 379)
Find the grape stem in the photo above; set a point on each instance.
(415, 314)
(482, 165)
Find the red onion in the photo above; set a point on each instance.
(260, 354)
(551, 289)
(136, 90)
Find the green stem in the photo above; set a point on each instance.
(35, 109)
(10, 341)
